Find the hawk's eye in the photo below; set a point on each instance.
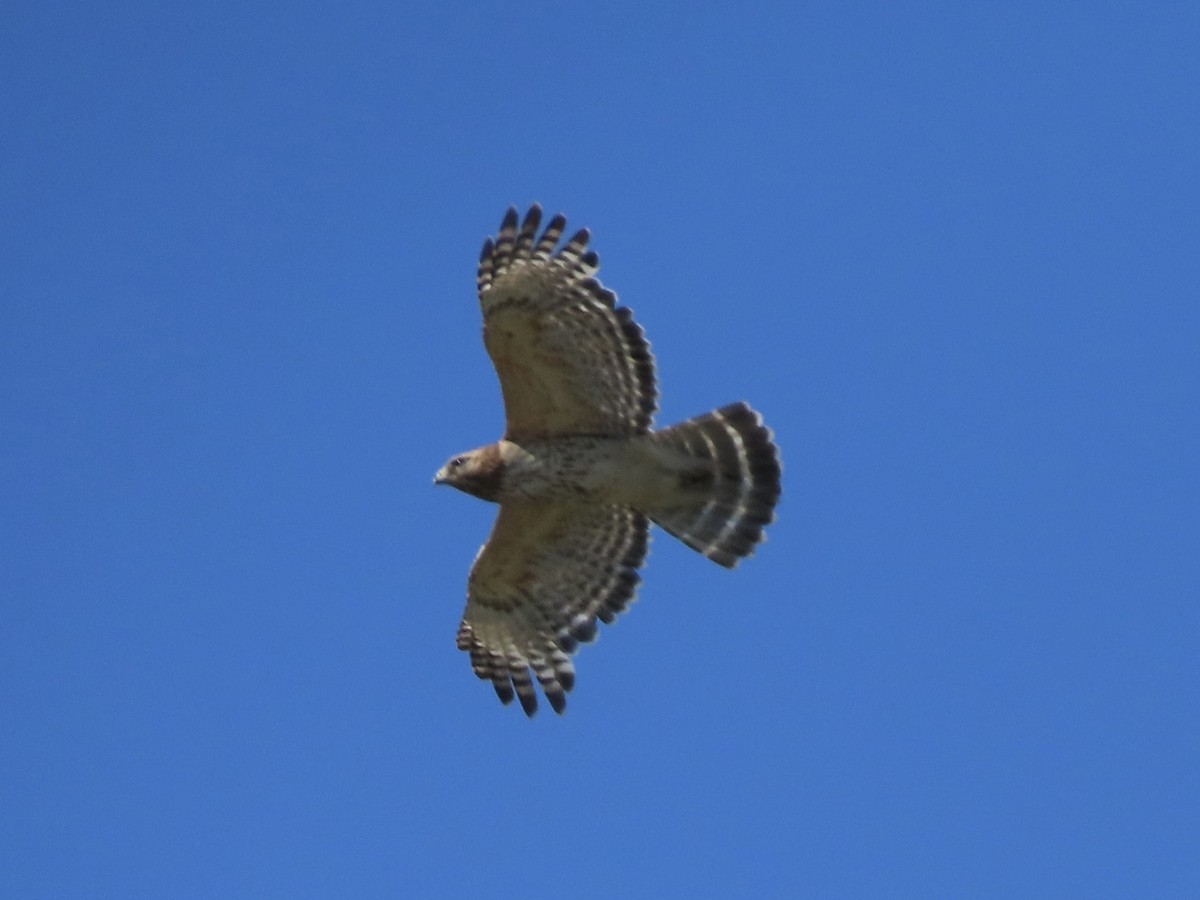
(457, 461)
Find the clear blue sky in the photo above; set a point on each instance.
(952, 253)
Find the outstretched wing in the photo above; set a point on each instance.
(546, 574)
(570, 360)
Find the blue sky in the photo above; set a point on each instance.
(949, 250)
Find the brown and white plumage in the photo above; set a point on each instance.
(570, 361)
(579, 473)
(547, 573)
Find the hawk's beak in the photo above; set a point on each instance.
(440, 477)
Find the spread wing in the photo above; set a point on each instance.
(570, 360)
(546, 574)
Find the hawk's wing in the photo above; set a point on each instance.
(570, 360)
(546, 574)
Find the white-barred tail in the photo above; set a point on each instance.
(729, 482)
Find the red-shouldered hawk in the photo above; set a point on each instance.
(580, 474)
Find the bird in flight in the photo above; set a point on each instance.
(580, 473)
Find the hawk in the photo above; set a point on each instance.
(580, 474)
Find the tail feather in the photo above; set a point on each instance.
(729, 483)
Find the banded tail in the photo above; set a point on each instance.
(729, 477)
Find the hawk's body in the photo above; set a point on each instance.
(580, 474)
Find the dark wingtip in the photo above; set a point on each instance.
(528, 703)
(558, 701)
(504, 691)
(568, 643)
(510, 218)
(532, 218)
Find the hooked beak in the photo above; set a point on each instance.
(440, 477)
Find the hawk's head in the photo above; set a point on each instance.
(478, 473)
